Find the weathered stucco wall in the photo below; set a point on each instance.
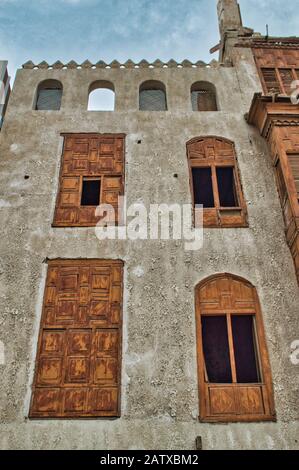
(159, 371)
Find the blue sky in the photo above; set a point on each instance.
(121, 29)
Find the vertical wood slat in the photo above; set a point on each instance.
(294, 164)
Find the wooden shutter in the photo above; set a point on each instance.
(49, 99)
(78, 366)
(294, 163)
(229, 295)
(271, 80)
(206, 101)
(287, 77)
(89, 155)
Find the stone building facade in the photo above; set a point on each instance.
(126, 344)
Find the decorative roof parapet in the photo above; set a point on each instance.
(129, 64)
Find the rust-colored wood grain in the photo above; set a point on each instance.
(99, 156)
(78, 365)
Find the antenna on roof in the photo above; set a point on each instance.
(267, 31)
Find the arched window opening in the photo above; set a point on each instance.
(215, 182)
(152, 96)
(233, 365)
(49, 95)
(203, 97)
(101, 96)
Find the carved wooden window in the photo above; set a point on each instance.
(278, 80)
(215, 182)
(233, 366)
(78, 365)
(92, 172)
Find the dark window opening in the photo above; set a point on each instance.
(204, 100)
(216, 349)
(226, 187)
(203, 187)
(91, 192)
(245, 349)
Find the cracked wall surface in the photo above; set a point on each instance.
(160, 404)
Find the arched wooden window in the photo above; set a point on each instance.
(235, 380)
(215, 182)
(101, 96)
(49, 95)
(203, 97)
(152, 96)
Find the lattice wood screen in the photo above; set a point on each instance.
(89, 156)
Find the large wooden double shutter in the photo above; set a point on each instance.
(89, 156)
(78, 365)
(214, 153)
(229, 297)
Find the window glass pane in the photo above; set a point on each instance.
(245, 349)
(91, 193)
(216, 349)
(226, 187)
(202, 187)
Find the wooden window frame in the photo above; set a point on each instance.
(218, 216)
(97, 282)
(263, 390)
(73, 214)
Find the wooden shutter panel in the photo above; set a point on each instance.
(294, 163)
(49, 99)
(78, 366)
(232, 402)
(84, 156)
(271, 80)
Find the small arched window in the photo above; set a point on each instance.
(101, 96)
(203, 97)
(152, 96)
(233, 365)
(49, 95)
(215, 182)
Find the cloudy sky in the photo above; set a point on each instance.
(121, 29)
